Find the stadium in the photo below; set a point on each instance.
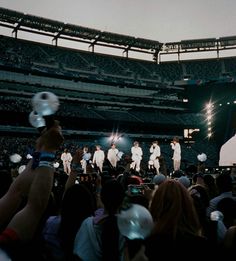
(103, 95)
(142, 158)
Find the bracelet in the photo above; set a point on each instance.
(45, 164)
(42, 156)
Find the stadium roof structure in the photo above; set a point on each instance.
(18, 21)
(35, 24)
(199, 45)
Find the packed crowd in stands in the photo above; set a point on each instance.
(47, 214)
(74, 109)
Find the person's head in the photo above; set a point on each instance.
(158, 179)
(65, 150)
(136, 144)
(112, 195)
(177, 174)
(77, 157)
(184, 181)
(199, 191)
(139, 199)
(198, 178)
(175, 140)
(209, 180)
(98, 147)
(210, 184)
(77, 204)
(85, 149)
(224, 182)
(201, 201)
(129, 179)
(113, 145)
(227, 206)
(77, 197)
(155, 143)
(173, 210)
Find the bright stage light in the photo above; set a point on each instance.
(208, 106)
(115, 138)
(209, 111)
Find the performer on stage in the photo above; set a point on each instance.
(85, 159)
(66, 160)
(177, 153)
(137, 154)
(112, 155)
(98, 158)
(155, 154)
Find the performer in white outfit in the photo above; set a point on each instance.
(66, 160)
(155, 154)
(85, 159)
(98, 157)
(112, 155)
(177, 153)
(137, 154)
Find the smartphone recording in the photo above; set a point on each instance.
(135, 189)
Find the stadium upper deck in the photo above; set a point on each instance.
(18, 21)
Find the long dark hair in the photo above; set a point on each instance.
(112, 196)
(173, 210)
(77, 205)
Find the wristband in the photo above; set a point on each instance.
(42, 156)
(47, 156)
(45, 164)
